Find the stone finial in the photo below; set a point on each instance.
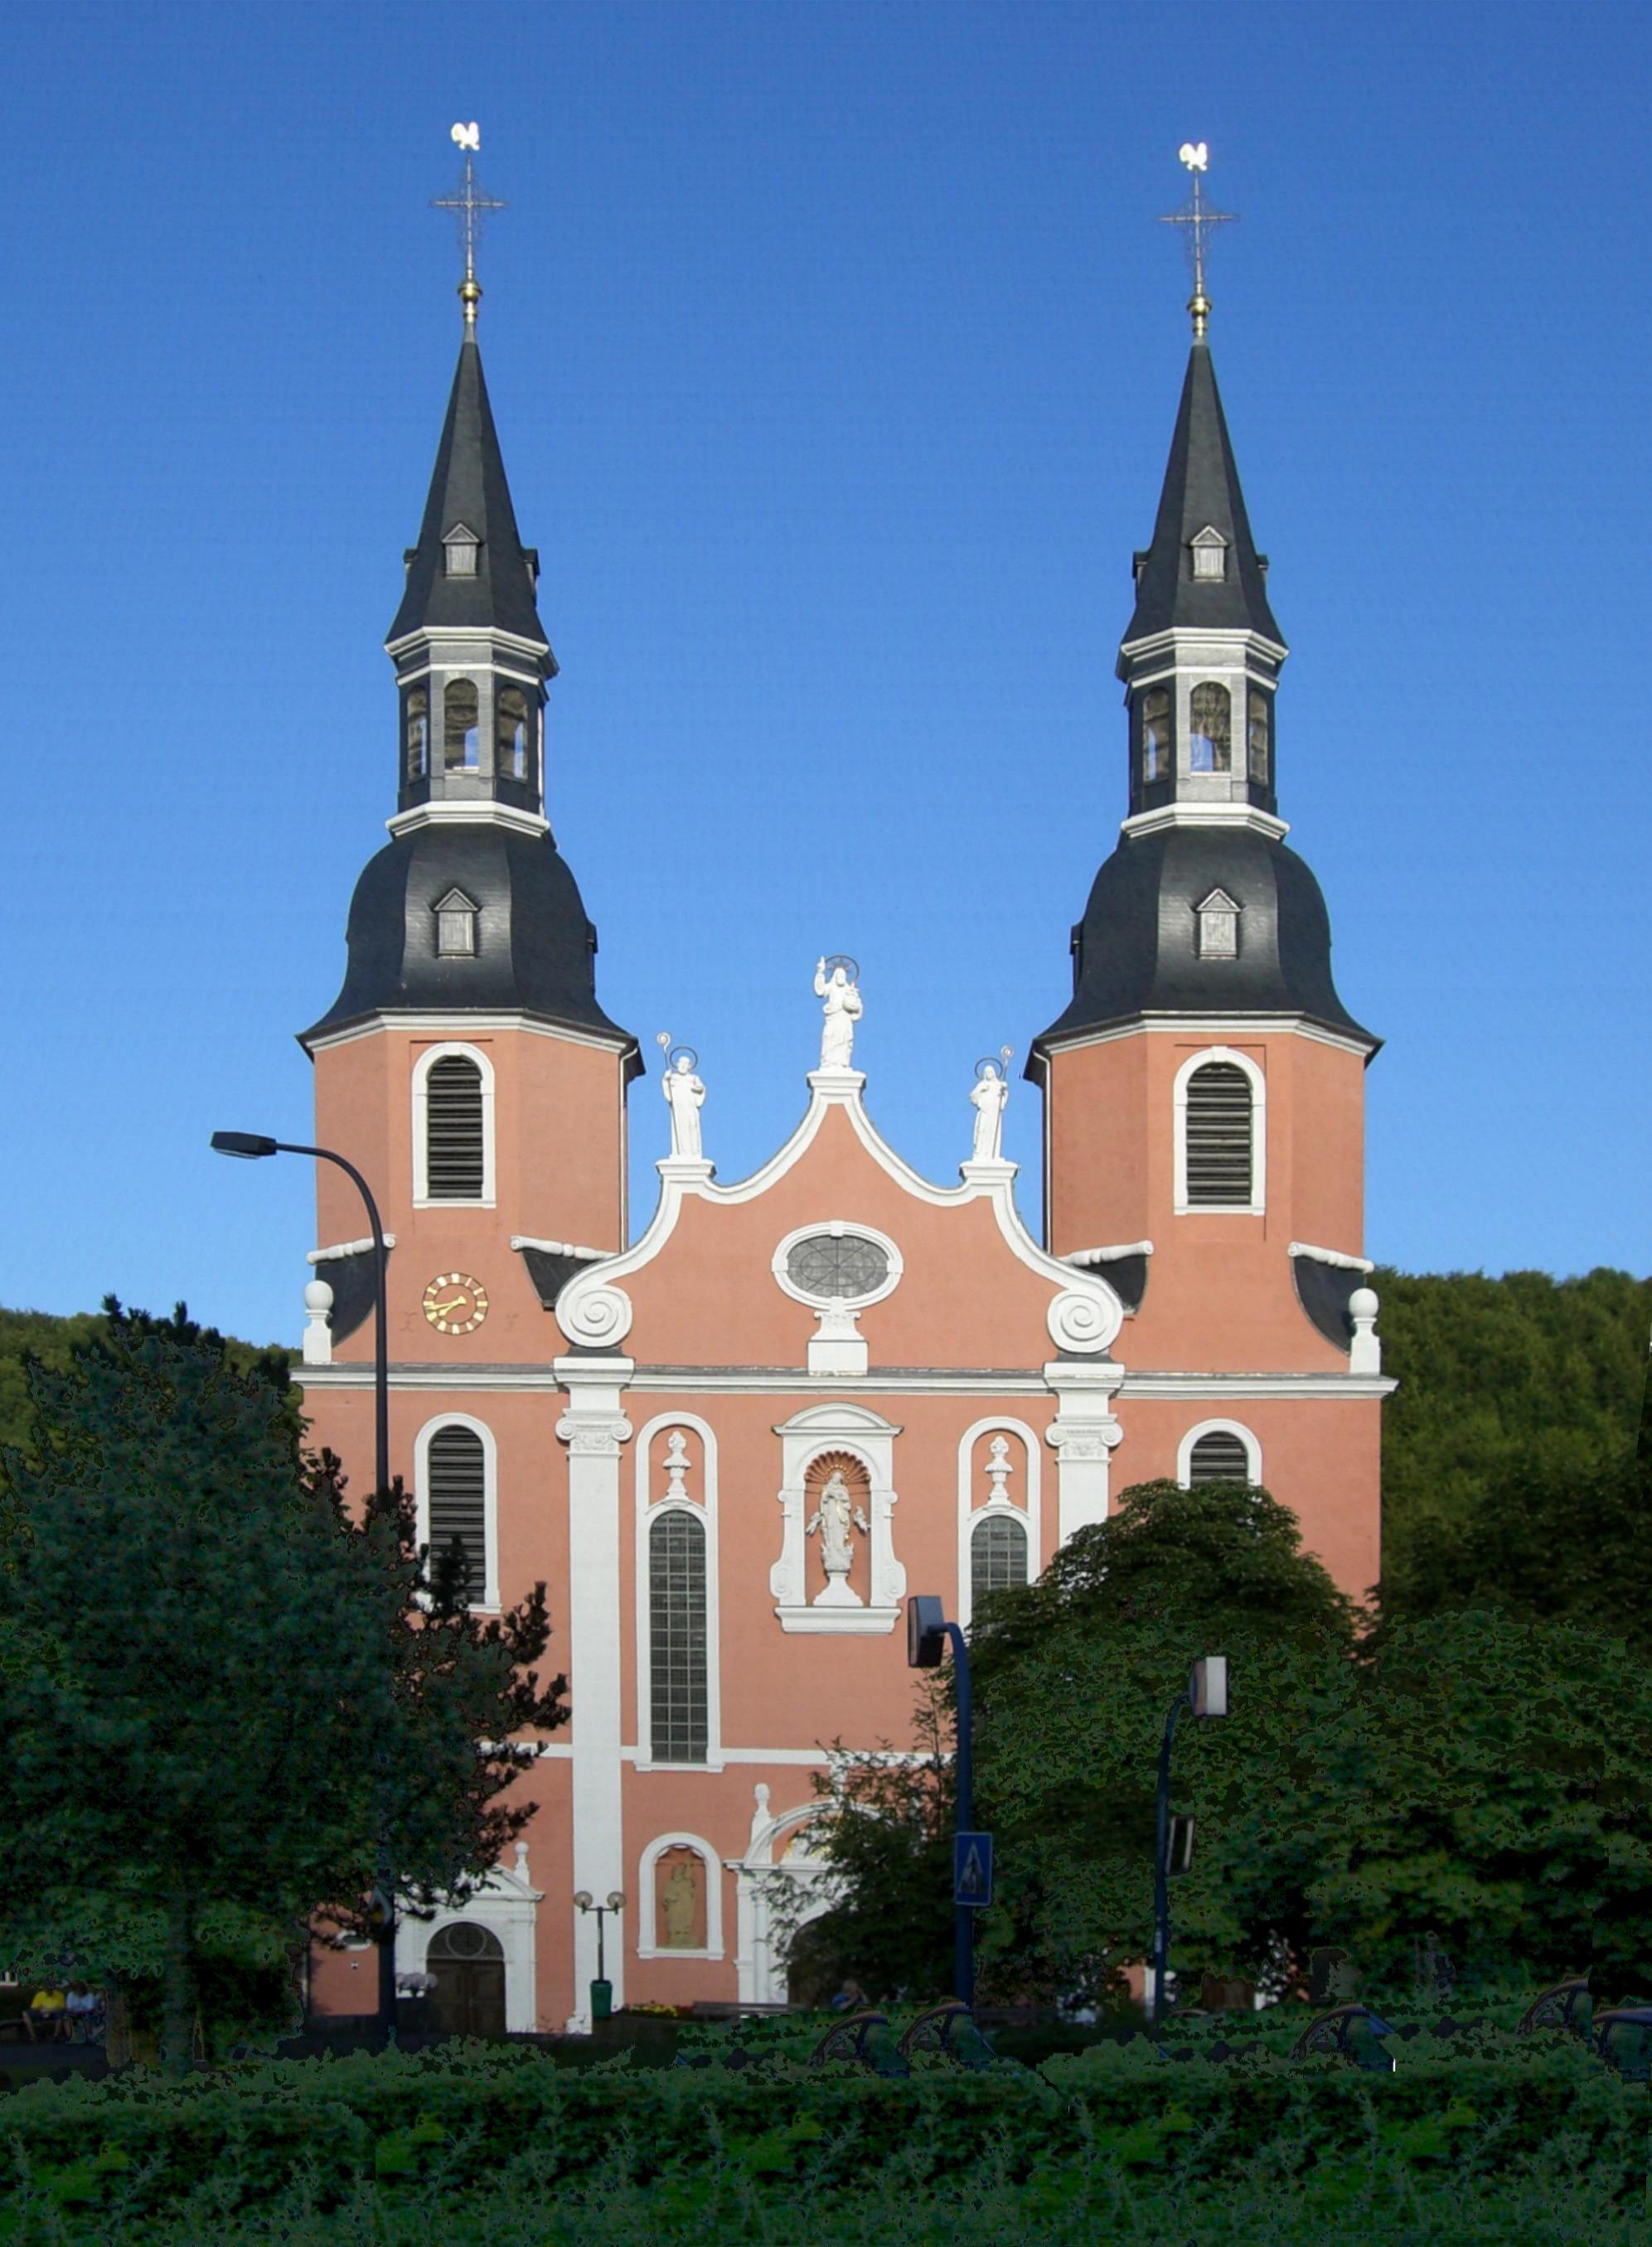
(318, 1349)
(1365, 1351)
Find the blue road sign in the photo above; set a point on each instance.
(972, 1868)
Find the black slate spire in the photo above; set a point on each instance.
(469, 493)
(1201, 491)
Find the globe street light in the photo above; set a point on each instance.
(602, 1994)
(251, 1146)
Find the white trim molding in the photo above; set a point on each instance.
(1083, 1436)
(648, 1945)
(488, 1603)
(836, 1346)
(472, 812)
(761, 1975)
(866, 1435)
(507, 1903)
(1024, 1499)
(425, 1061)
(1252, 1449)
(651, 1503)
(1256, 1206)
(357, 1248)
(1336, 1257)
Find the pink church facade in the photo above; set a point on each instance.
(734, 1440)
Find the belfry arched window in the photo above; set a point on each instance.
(462, 724)
(676, 1638)
(455, 1135)
(456, 1508)
(1258, 730)
(512, 751)
(416, 733)
(1218, 1451)
(1217, 1136)
(997, 1553)
(1210, 747)
(1156, 733)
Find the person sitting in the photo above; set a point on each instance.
(851, 1998)
(84, 2010)
(47, 2014)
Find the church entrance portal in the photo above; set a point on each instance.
(469, 1964)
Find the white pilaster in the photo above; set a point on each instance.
(594, 1427)
(1083, 1435)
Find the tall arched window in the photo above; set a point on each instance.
(1210, 730)
(512, 737)
(1260, 718)
(417, 733)
(455, 1151)
(997, 1554)
(1217, 1125)
(461, 736)
(456, 1505)
(676, 1638)
(1156, 733)
(1219, 1456)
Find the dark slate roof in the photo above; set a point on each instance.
(1134, 949)
(534, 947)
(468, 487)
(1201, 487)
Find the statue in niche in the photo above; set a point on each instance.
(989, 1097)
(679, 1905)
(684, 1097)
(836, 1517)
(844, 1007)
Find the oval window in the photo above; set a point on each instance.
(836, 1268)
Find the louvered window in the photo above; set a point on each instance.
(677, 1638)
(1220, 1457)
(455, 1168)
(456, 1486)
(1218, 1125)
(997, 1553)
(1217, 923)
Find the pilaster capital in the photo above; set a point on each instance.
(594, 1424)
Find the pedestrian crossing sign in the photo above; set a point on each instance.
(972, 1869)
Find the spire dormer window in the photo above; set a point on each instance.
(460, 546)
(1210, 554)
(1210, 728)
(1218, 927)
(455, 926)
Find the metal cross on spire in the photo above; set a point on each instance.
(1198, 218)
(470, 205)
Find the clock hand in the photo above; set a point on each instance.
(452, 1304)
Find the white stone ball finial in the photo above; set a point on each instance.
(317, 1347)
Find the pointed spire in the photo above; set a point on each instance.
(470, 501)
(1201, 493)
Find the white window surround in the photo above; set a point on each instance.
(867, 1437)
(838, 1227)
(1217, 923)
(1025, 1497)
(1258, 1202)
(421, 1068)
(1185, 1449)
(648, 1945)
(1209, 553)
(488, 1603)
(651, 1504)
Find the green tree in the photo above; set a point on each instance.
(220, 1695)
(1491, 1782)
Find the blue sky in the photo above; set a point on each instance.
(835, 352)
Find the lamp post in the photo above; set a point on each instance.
(1207, 1695)
(602, 1994)
(251, 1146)
(927, 1632)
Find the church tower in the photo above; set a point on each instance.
(1204, 1089)
(466, 1065)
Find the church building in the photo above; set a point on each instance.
(732, 1439)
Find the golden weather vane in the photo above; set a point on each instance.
(1196, 216)
(470, 205)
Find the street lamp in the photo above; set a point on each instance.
(251, 1146)
(602, 1991)
(1207, 1695)
(927, 1635)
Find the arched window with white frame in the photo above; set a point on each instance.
(456, 1500)
(999, 1474)
(1218, 1451)
(679, 1680)
(453, 1126)
(1221, 1122)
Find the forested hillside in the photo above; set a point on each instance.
(39, 1334)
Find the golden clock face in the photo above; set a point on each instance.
(454, 1303)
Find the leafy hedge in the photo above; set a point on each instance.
(131, 2150)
